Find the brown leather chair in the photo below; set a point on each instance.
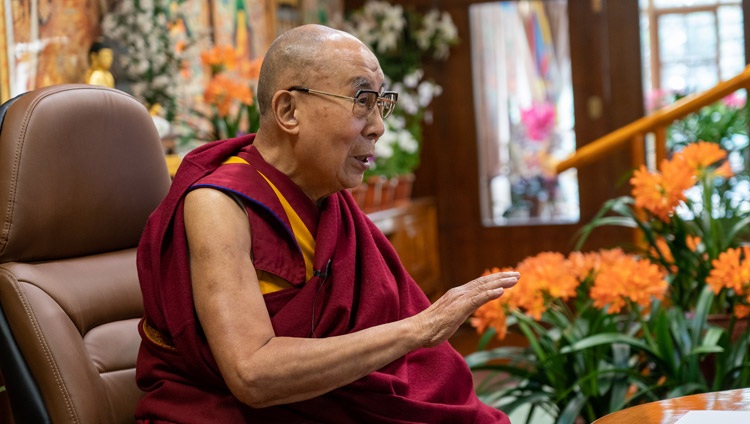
(81, 168)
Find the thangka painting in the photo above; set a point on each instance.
(242, 24)
(46, 42)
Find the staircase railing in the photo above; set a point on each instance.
(657, 123)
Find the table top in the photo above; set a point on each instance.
(669, 411)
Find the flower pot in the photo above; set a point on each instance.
(387, 193)
(722, 320)
(373, 195)
(403, 188)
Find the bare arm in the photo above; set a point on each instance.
(262, 369)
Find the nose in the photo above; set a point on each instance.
(375, 126)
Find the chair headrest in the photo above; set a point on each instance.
(81, 168)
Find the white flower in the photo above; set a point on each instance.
(387, 42)
(144, 23)
(447, 28)
(428, 91)
(411, 80)
(393, 19)
(142, 66)
(407, 142)
(151, 59)
(161, 81)
(159, 61)
(396, 123)
(384, 146)
(408, 102)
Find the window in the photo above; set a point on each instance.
(689, 46)
(523, 98)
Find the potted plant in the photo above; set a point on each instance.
(640, 324)
(227, 107)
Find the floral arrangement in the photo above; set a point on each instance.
(228, 105)
(688, 213)
(614, 328)
(154, 54)
(403, 40)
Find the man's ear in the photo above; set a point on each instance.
(285, 111)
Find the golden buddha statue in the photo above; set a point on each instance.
(100, 61)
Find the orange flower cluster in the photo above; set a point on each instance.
(660, 192)
(232, 77)
(222, 91)
(731, 270)
(621, 278)
(549, 276)
(220, 58)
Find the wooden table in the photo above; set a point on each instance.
(670, 410)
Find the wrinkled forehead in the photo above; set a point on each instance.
(352, 63)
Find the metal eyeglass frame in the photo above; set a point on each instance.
(386, 102)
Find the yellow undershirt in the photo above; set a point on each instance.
(270, 283)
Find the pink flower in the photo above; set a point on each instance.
(734, 100)
(539, 120)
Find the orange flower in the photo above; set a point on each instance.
(701, 156)
(583, 264)
(660, 193)
(546, 276)
(741, 311)
(250, 69)
(693, 242)
(731, 270)
(663, 251)
(222, 91)
(623, 277)
(491, 314)
(220, 58)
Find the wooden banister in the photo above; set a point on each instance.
(656, 123)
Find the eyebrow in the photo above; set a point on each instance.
(364, 83)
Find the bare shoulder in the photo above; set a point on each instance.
(212, 215)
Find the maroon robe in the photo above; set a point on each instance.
(359, 283)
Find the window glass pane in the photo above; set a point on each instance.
(699, 44)
(524, 105)
(682, 3)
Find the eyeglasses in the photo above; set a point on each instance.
(364, 101)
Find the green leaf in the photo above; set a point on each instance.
(620, 356)
(572, 410)
(486, 338)
(484, 356)
(604, 339)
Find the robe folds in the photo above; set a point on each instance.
(359, 283)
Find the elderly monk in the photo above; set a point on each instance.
(269, 296)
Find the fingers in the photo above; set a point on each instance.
(443, 317)
(505, 279)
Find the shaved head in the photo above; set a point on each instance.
(295, 58)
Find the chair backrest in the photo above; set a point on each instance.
(81, 168)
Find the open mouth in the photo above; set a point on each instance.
(365, 159)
